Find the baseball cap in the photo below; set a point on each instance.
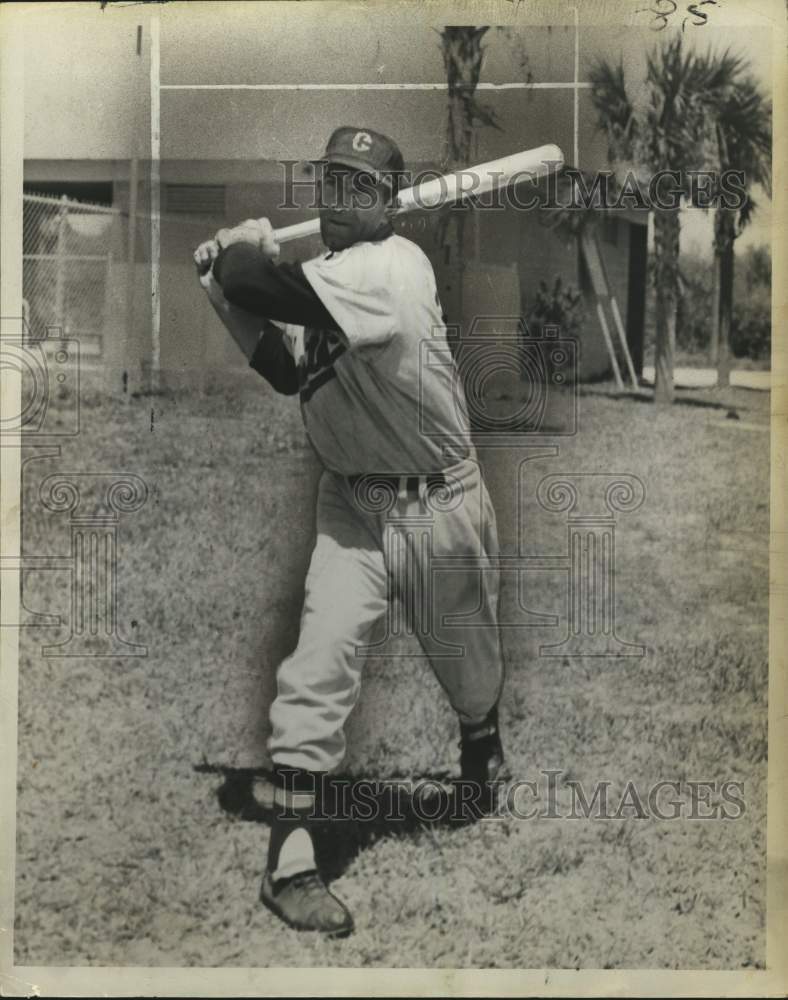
(364, 149)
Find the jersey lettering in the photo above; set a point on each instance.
(316, 366)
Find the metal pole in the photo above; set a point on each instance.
(623, 339)
(60, 288)
(107, 306)
(131, 268)
(155, 200)
(609, 343)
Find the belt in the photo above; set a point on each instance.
(410, 485)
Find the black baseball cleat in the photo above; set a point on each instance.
(481, 759)
(304, 903)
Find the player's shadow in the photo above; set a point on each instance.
(634, 396)
(354, 814)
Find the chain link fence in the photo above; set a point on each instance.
(87, 276)
(69, 250)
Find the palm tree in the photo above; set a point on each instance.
(667, 128)
(463, 57)
(743, 127)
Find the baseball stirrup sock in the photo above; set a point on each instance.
(479, 730)
(296, 854)
(290, 848)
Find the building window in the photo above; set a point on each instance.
(610, 230)
(194, 199)
(95, 192)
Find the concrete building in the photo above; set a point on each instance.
(220, 151)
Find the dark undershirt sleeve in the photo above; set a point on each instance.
(274, 362)
(276, 291)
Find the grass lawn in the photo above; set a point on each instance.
(128, 855)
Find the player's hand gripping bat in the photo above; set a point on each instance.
(259, 232)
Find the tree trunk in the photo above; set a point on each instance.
(714, 343)
(462, 59)
(666, 275)
(724, 238)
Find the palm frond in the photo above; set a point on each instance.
(744, 119)
(615, 112)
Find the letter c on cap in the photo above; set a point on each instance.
(362, 141)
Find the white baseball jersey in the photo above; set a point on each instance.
(373, 399)
(379, 394)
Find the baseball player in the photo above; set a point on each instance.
(401, 487)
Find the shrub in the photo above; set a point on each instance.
(556, 306)
(751, 320)
(751, 329)
(751, 326)
(694, 307)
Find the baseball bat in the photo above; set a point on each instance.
(530, 164)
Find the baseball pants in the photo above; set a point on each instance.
(430, 541)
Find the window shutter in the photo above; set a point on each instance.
(194, 199)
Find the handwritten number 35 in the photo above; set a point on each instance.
(663, 9)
